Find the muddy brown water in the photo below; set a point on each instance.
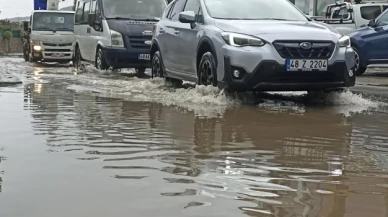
(69, 153)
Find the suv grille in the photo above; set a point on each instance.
(138, 42)
(292, 49)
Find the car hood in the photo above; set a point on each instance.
(280, 30)
(51, 37)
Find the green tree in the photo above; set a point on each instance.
(7, 37)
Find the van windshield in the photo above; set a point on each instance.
(254, 10)
(134, 9)
(53, 22)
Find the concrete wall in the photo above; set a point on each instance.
(16, 45)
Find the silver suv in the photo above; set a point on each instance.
(250, 45)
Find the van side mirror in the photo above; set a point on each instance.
(187, 17)
(372, 23)
(25, 26)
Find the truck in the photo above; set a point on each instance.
(347, 17)
(49, 35)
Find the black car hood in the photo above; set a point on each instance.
(133, 28)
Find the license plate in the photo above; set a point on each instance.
(57, 55)
(144, 56)
(306, 65)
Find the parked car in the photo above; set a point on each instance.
(250, 45)
(116, 33)
(347, 17)
(370, 43)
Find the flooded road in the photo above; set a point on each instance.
(94, 144)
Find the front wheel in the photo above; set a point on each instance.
(100, 60)
(140, 72)
(207, 70)
(359, 69)
(77, 58)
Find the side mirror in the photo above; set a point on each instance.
(372, 23)
(187, 17)
(25, 26)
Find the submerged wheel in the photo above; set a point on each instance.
(359, 69)
(207, 70)
(157, 67)
(140, 72)
(100, 60)
(77, 58)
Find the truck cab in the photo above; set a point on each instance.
(347, 17)
(50, 36)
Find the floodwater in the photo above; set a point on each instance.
(94, 144)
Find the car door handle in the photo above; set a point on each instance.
(176, 32)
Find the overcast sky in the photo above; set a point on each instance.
(22, 8)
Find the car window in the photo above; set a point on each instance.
(383, 20)
(93, 7)
(79, 12)
(341, 14)
(178, 7)
(168, 10)
(370, 12)
(385, 7)
(86, 12)
(134, 9)
(192, 5)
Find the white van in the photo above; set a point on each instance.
(116, 33)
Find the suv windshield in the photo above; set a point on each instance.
(53, 22)
(254, 10)
(134, 9)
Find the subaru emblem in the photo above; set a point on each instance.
(305, 45)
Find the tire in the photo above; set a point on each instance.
(207, 70)
(359, 69)
(100, 60)
(140, 72)
(77, 58)
(157, 66)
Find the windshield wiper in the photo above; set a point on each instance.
(119, 18)
(148, 19)
(44, 28)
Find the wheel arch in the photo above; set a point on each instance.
(205, 45)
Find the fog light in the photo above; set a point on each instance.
(351, 73)
(236, 73)
(37, 47)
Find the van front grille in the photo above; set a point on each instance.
(138, 42)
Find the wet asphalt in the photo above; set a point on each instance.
(97, 144)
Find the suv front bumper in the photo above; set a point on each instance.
(265, 70)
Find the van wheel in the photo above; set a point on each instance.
(207, 70)
(359, 69)
(140, 72)
(100, 60)
(77, 58)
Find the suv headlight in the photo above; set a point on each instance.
(117, 39)
(240, 40)
(344, 41)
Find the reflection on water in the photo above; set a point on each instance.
(109, 156)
